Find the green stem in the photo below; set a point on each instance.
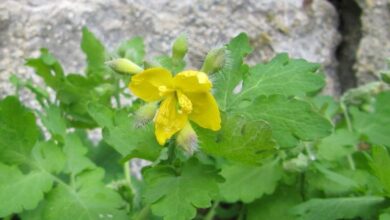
(171, 151)
(346, 115)
(350, 129)
(116, 96)
(242, 213)
(143, 214)
(126, 171)
(210, 215)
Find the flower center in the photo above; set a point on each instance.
(185, 103)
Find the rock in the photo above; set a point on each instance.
(305, 29)
(374, 47)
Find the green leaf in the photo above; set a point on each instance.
(384, 216)
(103, 115)
(89, 199)
(327, 105)
(20, 191)
(75, 152)
(18, 131)
(282, 76)
(54, 121)
(246, 183)
(339, 208)
(290, 119)
(375, 125)
(226, 80)
(177, 196)
(331, 182)
(95, 52)
(47, 67)
(121, 133)
(239, 140)
(49, 156)
(339, 144)
(108, 158)
(133, 49)
(275, 206)
(380, 165)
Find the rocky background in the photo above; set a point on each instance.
(350, 38)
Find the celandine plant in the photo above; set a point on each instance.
(227, 141)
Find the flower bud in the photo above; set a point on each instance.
(187, 139)
(298, 164)
(124, 66)
(214, 60)
(145, 114)
(180, 47)
(385, 76)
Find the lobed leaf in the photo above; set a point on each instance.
(290, 119)
(177, 196)
(246, 183)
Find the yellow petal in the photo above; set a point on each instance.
(192, 81)
(205, 111)
(152, 84)
(169, 120)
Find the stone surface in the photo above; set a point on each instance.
(306, 29)
(374, 47)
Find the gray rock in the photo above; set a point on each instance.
(304, 30)
(374, 47)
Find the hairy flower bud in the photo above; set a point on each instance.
(124, 66)
(187, 139)
(180, 47)
(298, 164)
(214, 60)
(145, 114)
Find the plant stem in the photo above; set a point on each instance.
(346, 115)
(126, 172)
(242, 213)
(350, 129)
(143, 214)
(171, 151)
(210, 215)
(116, 96)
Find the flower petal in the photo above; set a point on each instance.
(152, 84)
(205, 110)
(192, 81)
(169, 120)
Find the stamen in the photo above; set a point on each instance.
(185, 103)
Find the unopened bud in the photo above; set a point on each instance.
(385, 76)
(214, 60)
(180, 47)
(298, 164)
(124, 66)
(145, 114)
(187, 139)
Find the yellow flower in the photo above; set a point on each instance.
(184, 97)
